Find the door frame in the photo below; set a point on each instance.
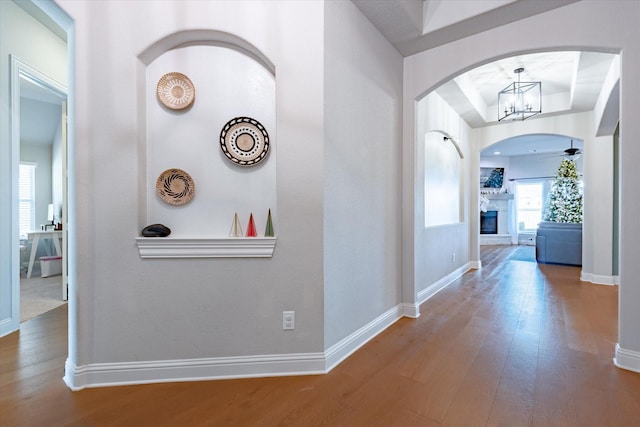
(21, 70)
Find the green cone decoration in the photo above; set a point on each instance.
(268, 230)
(564, 202)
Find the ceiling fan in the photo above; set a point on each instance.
(570, 153)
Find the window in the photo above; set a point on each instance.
(528, 206)
(27, 198)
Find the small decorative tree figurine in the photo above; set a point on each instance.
(564, 202)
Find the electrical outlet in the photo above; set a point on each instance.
(288, 320)
(453, 257)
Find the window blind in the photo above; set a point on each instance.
(27, 198)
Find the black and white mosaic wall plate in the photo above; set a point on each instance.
(244, 141)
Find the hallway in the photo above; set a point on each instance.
(513, 344)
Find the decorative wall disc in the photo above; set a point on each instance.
(244, 141)
(176, 91)
(175, 187)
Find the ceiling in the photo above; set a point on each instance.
(533, 145)
(416, 25)
(40, 113)
(571, 81)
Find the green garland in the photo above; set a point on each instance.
(564, 202)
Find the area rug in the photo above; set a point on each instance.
(524, 253)
(39, 295)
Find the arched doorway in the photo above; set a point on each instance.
(458, 105)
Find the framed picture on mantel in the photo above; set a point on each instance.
(491, 177)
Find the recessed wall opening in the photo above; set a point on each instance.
(442, 180)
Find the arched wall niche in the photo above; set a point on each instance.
(205, 37)
(452, 139)
(443, 179)
(232, 79)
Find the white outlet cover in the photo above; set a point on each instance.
(288, 320)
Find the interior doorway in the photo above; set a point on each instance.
(39, 132)
(36, 51)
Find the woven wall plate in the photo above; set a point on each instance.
(176, 91)
(244, 141)
(175, 186)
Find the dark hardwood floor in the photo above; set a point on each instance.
(512, 344)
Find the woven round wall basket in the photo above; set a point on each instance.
(175, 187)
(244, 141)
(176, 91)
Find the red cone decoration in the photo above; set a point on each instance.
(251, 228)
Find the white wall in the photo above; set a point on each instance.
(362, 113)
(32, 43)
(131, 309)
(538, 165)
(435, 247)
(597, 253)
(527, 166)
(594, 25)
(337, 184)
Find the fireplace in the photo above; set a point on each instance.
(489, 222)
(494, 223)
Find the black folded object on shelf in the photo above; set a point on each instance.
(156, 230)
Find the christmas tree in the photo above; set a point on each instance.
(564, 202)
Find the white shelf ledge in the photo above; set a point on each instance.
(206, 247)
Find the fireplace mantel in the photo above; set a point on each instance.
(498, 196)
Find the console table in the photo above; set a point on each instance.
(35, 237)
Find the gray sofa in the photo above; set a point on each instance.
(559, 243)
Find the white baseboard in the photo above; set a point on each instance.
(496, 239)
(411, 310)
(114, 374)
(597, 279)
(627, 359)
(7, 326)
(436, 287)
(161, 371)
(347, 346)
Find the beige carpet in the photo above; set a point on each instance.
(39, 295)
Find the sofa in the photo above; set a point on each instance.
(559, 243)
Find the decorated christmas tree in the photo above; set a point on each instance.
(564, 202)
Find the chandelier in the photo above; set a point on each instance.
(520, 100)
